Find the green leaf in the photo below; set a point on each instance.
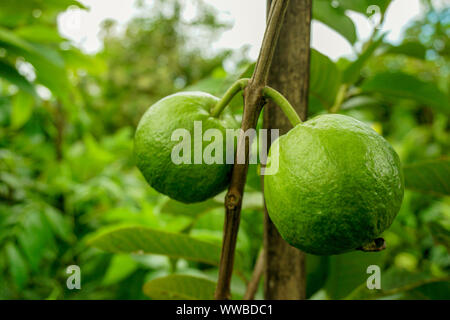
(9, 38)
(402, 85)
(353, 70)
(10, 16)
(60, 225)
(22, 107)
(47, 62)
(211, 85)
(335, 18)
(248, 71)
(39, 33)
(359, 102)
(439, 290)
(17, 265)
(64, 4)
(75, 59)
(394, 281)
(120, 267)
(178, 208)
(13, 14)
(440, 234)
(362, 6)
(348, 271)
(432, 177)
(35, 238)
(251, 201)
(180, 287)
(10, 74)
(149, 241)
(382, 4)
(413, 49)
(30, 51)
(325, 79)
(316, 273)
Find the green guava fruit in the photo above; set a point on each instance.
(339, 185)
(188, 181)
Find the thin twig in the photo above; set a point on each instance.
(252, 286)
(253, 103)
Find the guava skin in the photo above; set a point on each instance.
(338, 187)
(187, 183)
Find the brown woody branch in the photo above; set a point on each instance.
(253, 103)
(284, 270)
(258, 270)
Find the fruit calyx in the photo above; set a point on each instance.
(375, 245)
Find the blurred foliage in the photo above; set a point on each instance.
(68, 185)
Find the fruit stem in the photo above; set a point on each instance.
(253, 104)
(237, 87)
(284, 104)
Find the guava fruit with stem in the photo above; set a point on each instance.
(339, 185)
(154, 146)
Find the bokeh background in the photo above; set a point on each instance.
(75, 78)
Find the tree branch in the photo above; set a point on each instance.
(252, 286)
(253, 103)
(285, 273)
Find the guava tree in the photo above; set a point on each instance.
(333, 87)
(69, 185)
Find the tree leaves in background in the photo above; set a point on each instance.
(120, 267)
(12, 14)
(9, 38)
(353, 70)
(348, 271)
(39, 33)
(180, 287)
(60, 225)
(431, 177)
(360, 102)
(335, 18)
(325, 79)
(316, 273)
(22, 107)
(10, 74)
(192, 210)
(395, 281)
(362, 6)
(439, 290)
(402, 85)
(17, 265)
(63, 4)
(149, 241)
(35, 238)
(47, 62)
(440, 234)
(413, 49)
(75, 59)
(50, 70)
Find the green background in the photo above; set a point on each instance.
(70, 192)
